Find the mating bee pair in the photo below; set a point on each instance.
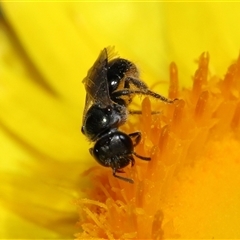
(111, 84)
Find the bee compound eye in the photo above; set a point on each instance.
(116, 71)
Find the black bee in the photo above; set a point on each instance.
(111, 84)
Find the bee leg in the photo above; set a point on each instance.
(158, 96)
(132, 160)
(120, 177)
(140, 112)
(136, 82)
(142, 157)
(136, 138)
(134, 111)
(128, 92)
(144, 88)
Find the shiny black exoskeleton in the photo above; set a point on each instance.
(111, 84)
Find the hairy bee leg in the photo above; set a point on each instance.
(158, 96)
(135, 112)
(128, 92)
(140, 112)
(136, 82)
(143, 87)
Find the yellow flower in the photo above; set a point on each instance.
(46, 50)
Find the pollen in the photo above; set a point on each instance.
(190, 188)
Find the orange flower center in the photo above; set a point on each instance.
(189, 189)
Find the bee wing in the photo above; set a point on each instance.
(96, 83)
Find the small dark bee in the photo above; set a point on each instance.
(111, 84)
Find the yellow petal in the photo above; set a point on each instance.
(194, 27)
